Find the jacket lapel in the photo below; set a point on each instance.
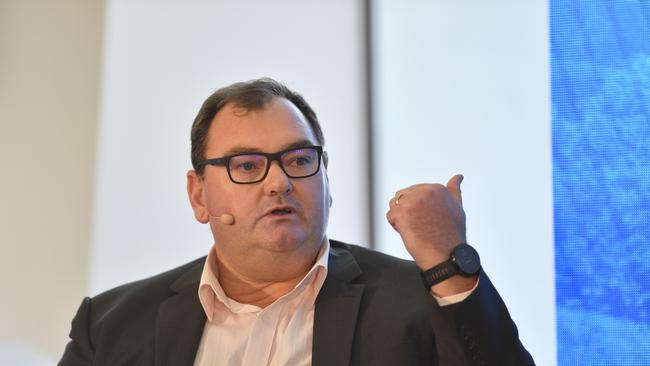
(180, 322)
(337, 307)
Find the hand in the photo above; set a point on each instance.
(431, 221)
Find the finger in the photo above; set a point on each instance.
(395, 199)
(453, 186)
(390, 216)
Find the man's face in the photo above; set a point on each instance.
(257, 227)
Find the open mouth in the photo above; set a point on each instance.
(281, 211)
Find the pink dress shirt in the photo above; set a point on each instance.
(280, 334)
(247, 335)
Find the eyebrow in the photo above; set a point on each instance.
(249, 150)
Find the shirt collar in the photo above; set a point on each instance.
(211, 294)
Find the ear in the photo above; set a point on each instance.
(195, 194)
(325, 162)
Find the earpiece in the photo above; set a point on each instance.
(225, 219)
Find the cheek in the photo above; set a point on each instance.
(319, 202)
(222, 198)
(239, 204)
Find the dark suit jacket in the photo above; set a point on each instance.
(371, 310)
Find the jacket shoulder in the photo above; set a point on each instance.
(119, 326)
(149, 290)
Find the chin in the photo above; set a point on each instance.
(285, 242)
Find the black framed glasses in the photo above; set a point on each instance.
(251, 168)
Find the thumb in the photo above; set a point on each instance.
(453, 186)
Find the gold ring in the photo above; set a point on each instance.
(397, 199)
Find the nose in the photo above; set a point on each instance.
(277, 182)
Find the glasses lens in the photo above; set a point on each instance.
(300, 162)
(247, 168)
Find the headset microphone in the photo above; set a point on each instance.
(226, 219)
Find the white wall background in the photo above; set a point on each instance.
(463, 87)
(161, 60)
(463, 83)
(49, 77)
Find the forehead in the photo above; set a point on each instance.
(269, 129)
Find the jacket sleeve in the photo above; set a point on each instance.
(79, 350)
(487, 334)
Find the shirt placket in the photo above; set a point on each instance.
(262, 336)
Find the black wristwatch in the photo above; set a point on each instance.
(464, 261)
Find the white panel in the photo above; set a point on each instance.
(161, 60)
(463, 86)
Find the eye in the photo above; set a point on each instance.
(299, 158)
(302, 160)
(247, 163)
(246, 166)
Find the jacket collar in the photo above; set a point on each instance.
(180, 321)
(337, 307)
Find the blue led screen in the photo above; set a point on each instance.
(600, 92)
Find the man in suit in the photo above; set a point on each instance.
(274, 290)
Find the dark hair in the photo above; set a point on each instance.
(249, 95)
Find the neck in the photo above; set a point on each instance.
(261, 285)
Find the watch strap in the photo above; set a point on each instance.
(439, 273)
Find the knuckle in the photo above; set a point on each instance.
(438, 187)
(432, 190)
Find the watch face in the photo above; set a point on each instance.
(467, 259)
